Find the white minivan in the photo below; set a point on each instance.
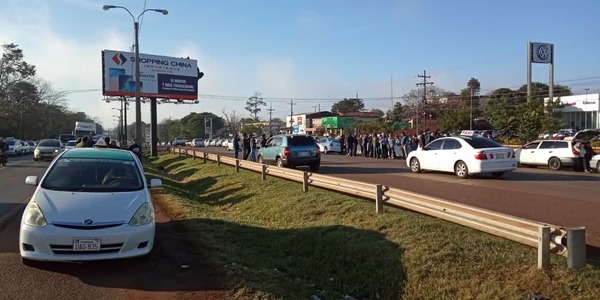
(554, 153)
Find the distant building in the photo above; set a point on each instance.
(305, 123)
(579, 111)
(361, 116)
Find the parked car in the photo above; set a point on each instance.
(47, 149)
(14, 148)
(198, 142)
(595, 163)
(31, 147)
(463, 155)
(554, 153)
(179, 141)
(70, 144)
(91, 204)
(230, 145)
(291, 150)
(330, 145)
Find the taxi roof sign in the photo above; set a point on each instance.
(467, 132)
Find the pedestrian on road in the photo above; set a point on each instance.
(245, 147)
(136, 148)
(236, 146)
(253, 147)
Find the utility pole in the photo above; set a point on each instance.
(315, 107)
(424, 84)
(291, 114)
(391, 96)
(270, 110)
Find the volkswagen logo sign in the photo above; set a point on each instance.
(88, 222)
(543, 52)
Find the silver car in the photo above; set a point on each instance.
(47, 149)
(595, 163)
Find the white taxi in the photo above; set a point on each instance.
(463, 155)
(92, 204)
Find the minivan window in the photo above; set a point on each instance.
(531, 145)
(561, 145)
(301, 140)
(547, 145)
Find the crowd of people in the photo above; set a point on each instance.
(106, 142)
(248, 144)
(386, 146)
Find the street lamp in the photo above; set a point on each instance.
(585, 112)
(138, 104)
(471, 117)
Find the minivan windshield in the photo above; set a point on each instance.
(93, 175)
(49, 143)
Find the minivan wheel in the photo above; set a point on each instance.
(554, 163)
(314, 167)
(279, 162)
(461, 170)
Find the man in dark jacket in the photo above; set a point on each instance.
(136, 148)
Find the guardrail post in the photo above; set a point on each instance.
(543, 247)
(576, 258)
(379, 198)
(169, 150)
(218, 160)
(179, 152)
(305, 181)
(205, 156)
(263, 172)
(237, 165)
(194, 155)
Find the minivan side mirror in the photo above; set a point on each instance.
(154, 182)
(31, 180)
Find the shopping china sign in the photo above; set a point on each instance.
(160, 76)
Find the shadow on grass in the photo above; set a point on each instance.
(330, 261)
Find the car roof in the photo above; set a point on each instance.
(101, 153)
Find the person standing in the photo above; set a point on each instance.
(253, 147)
(136, 148)
(236, 146)
(245, 147)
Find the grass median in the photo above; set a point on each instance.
(272, 241)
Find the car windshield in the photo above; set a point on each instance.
(71, 143)
(479, 143)
(10, 143)
(93, 175)
(49, 143)
(301, 140)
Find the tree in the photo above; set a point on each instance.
(454, 116)
(470, 95)
(348, 105)
(253, 105)
(398, 113)
(378, 112)
(500, 112)
(232, 121)
(427, 107)
(540, 90)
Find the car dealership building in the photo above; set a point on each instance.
(580, 111)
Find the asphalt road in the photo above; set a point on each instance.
(563, 198)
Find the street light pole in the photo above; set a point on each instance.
(471, 118)
(138, 101)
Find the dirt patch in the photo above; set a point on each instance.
(177, 264)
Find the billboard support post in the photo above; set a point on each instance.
(153, 128)
(540, 53)
(138, 101)
(125, 120)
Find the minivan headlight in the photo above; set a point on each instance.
(34, 216)
(144, 215)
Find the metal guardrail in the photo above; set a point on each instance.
(568, 242)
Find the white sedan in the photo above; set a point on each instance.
(91, 204)
(327, 145)
(463, 155)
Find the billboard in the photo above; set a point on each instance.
(338, 122)
(542, 53)
(160, 76)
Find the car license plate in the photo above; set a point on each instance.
(86, 245)
(304, 154)
(500, 156)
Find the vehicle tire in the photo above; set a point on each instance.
(415, 165)
(554, 163)
(498, 174)
(314, 167)
(461, 170)
(279, 162)
(260, 160)
(325, 150)
(598, 167)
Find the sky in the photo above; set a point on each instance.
(316, 52)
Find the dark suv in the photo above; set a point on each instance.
(291, 150)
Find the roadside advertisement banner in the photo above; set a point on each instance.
(160, 76)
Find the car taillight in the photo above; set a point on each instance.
(480, 156)
(286, 151)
